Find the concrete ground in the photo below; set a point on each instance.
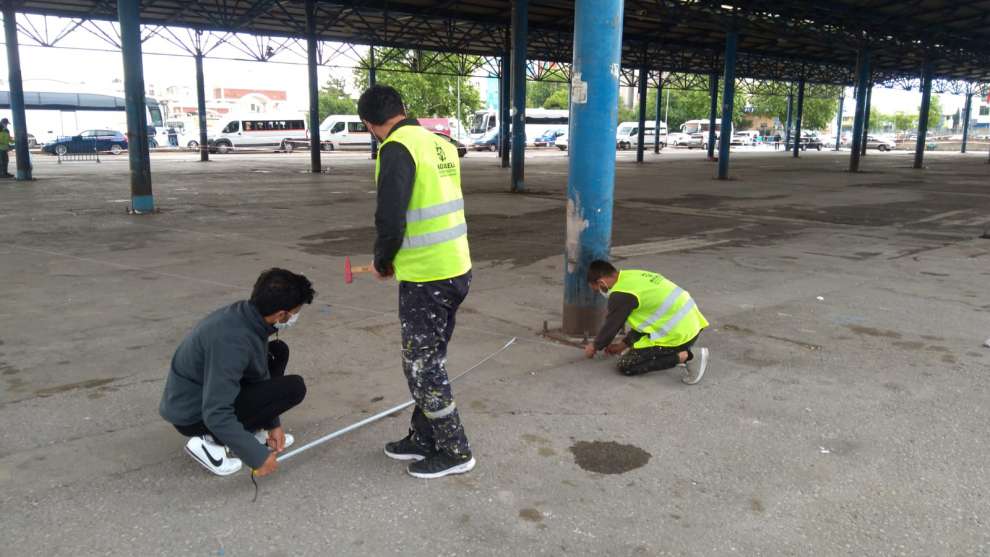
(845, 411)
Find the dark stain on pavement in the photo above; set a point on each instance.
(608, 457)
(90, 384)
(870, 331)
(531, 514)
(377, 398)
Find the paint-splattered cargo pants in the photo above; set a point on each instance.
(427, 313)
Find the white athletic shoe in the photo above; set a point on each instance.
(262, 436)
(212, 456)
(696, 367)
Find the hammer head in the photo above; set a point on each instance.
(348, 275)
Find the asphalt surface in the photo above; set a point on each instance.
(845, 411)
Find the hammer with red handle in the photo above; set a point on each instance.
(350, 271)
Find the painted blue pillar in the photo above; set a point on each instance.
(966, 109)
(728, 96)
(312, 53)
(656, 129)
(712, 113)
(866, 116)
(520, 32)
(838, 122)
(372, 81)
(504, 107)
(204, 149)
(644, 72)
(20, 131)
(787, 124)
(591, 176)
(926, 103)
(862, 79)
(797, 120)
(128, 13)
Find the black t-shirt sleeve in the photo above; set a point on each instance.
(397, 172)
(620, 306)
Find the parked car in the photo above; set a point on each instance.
(744, 138)
(487, 142)
(88, 141)
(808, 141)
(563, 142)
(461, 148)
(549, 138)
(881, 144)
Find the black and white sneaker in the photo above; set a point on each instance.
(696, 367)
(440, 465)
(212, 456)
(407, 449)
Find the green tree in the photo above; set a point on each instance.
(425, 95)
(818, 112)
(934, 113)
(537, 92)
(557, 99)
(333, 99)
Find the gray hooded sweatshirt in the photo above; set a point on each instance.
(228, 347)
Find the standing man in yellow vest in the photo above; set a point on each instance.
(422, 242)
(663, 319)
(5, 146)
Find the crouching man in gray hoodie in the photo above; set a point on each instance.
(227, 385)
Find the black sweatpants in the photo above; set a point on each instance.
(259, 405)
(4, 162)
(638, 361)
(427, 312)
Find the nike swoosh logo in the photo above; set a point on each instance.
(213, 461)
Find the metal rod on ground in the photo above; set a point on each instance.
(382, 414)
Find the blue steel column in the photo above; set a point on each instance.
(504, 102)
(787, 125)
(966, 108)
(728, 94)
(862, 78)
(204, 150)
(16, 92)
(315, 165)
(838, 123)
(866, 115)
(520, 32)
(591, 166)
(797, 120)
(372, 81)
(643, 74)
(128, 13)
(656, 130)
(926, 104)
(712, 113)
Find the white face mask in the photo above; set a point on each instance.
(292, 321)
(603, 291)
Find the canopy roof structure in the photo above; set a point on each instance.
(778, 39)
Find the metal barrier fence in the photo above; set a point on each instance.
(77, 150)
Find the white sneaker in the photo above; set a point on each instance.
(212, 456)
(696, 367)
(262, 436)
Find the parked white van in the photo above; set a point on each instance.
(344, 131)
(627, 134)
(256, 131)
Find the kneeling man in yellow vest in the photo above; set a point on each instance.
(663, 319)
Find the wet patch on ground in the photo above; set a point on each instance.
(608, 457)
(873, 332)
(90, 384)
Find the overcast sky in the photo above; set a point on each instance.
(86, 71)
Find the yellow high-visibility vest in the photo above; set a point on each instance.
(435, 246)
(666, 315)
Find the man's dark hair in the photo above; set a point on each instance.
(600, 269)
(380, 103)
(278, 289)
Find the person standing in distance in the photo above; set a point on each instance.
(421, 241)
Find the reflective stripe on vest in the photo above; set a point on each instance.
(674, 321)
(437, 237)
(664, 308)
(434, 211)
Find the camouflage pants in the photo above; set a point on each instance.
(638, 361)
(427, 314)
